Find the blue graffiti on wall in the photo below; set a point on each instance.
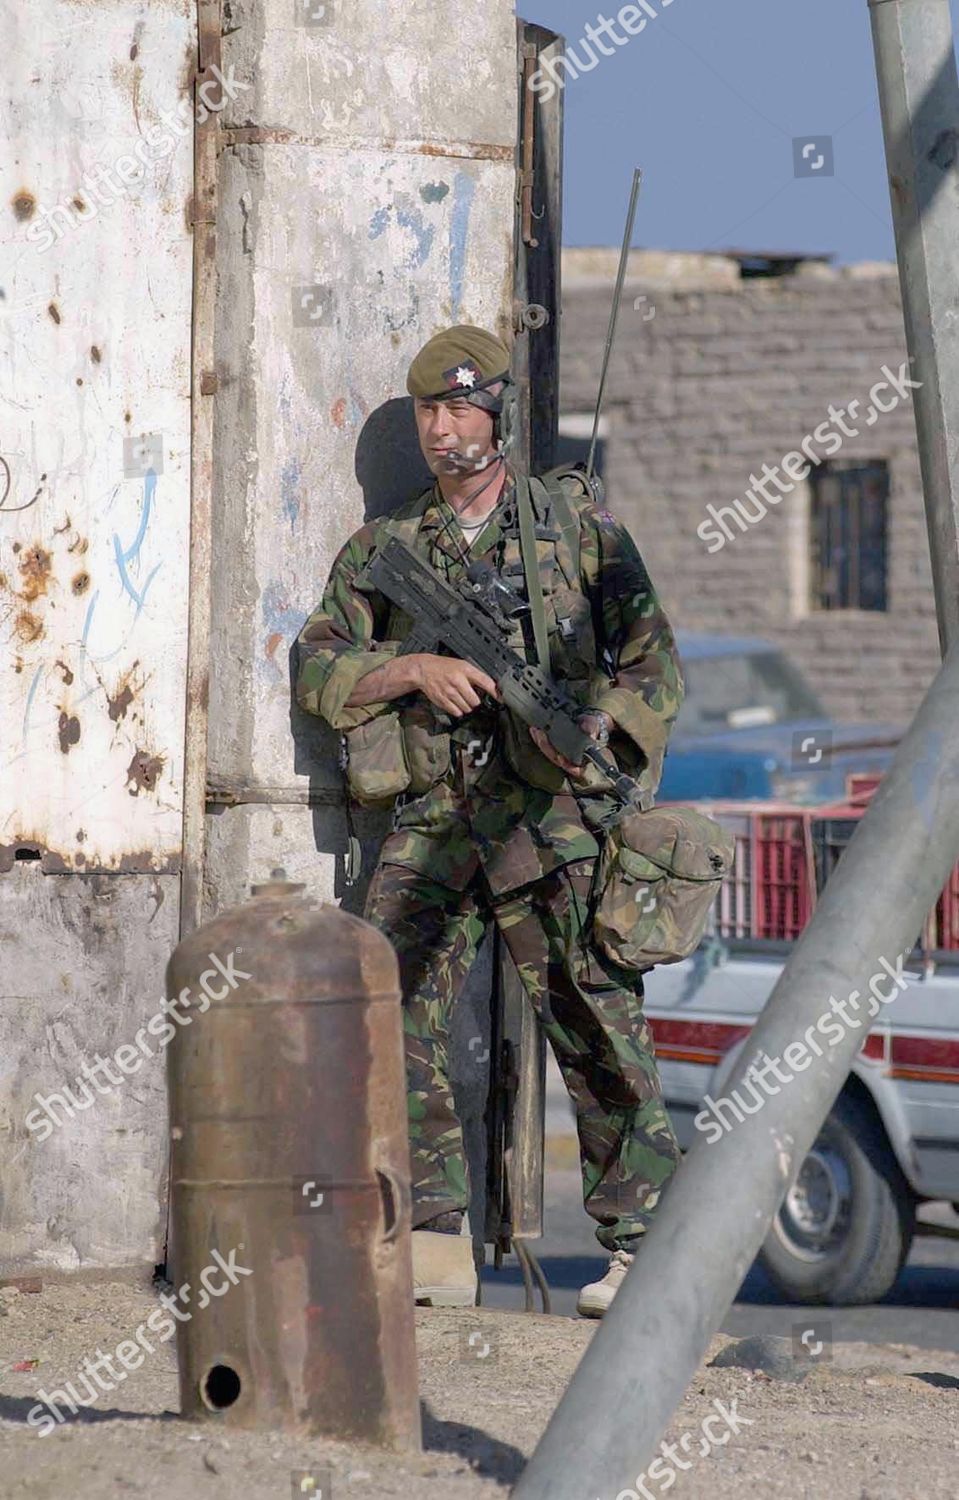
(132, 553)
(464, 189)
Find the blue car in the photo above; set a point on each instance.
(751, 726)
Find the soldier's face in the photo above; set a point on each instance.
(455, 436)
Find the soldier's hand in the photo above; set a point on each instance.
(546, 747)
(451, 684)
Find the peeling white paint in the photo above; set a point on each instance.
(93, 545)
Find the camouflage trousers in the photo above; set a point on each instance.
(590, 1010)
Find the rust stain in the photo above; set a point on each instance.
(54, 312)
(24, 205)
(473, 150)
(95, 354)
(27, 850)
(35, 567)
(338, 412)
(120, 704)
(272, 642)
(79, 545)
(135, 93)
(159, 896)
(81, 835)
(59, 530)
(28, 626)
(68, 729)
(78, 204)
(140, 861)
(142, 772)
(16, 547)
(257, 135)
(198, 694)
(127, 416)
(18, 664)
(67, 674)
(3, 580)
(80, 583)
(120, 701)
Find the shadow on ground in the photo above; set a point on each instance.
(485, 1455)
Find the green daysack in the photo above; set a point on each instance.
(659, 874)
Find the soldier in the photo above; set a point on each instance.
(491, 822)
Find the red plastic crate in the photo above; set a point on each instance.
(832, 829)
(769, 891)
(860, 785)
(783, 856)
(734, 908)
(784, 887)
(945, 922)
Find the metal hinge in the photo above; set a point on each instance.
(224, 792)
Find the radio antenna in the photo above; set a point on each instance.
(614, 312)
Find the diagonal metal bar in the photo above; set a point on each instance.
(722, 1200)
(919, 96)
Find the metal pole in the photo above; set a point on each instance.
(919, 97)
(614, 310)
(721, 1202)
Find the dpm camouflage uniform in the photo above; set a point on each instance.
(490, 829)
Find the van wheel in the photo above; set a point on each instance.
(847, 1222)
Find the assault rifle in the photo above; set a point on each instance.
(473, 620)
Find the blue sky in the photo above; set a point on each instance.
(708, 100)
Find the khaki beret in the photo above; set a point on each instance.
(457, 361)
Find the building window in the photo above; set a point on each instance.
(848, 534)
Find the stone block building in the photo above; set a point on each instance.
(723, 364)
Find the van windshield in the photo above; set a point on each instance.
(743, 692)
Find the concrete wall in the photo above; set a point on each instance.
(365, 198)
(94, 516)
(711, 376)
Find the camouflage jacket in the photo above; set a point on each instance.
(495, 801)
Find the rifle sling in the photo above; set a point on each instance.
(568, 523)
(534, 586)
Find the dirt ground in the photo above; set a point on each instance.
(876, 1423)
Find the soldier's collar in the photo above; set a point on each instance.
(438, 511)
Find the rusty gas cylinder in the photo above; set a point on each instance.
(290, 1192)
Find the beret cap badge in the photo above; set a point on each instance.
(463, 376)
